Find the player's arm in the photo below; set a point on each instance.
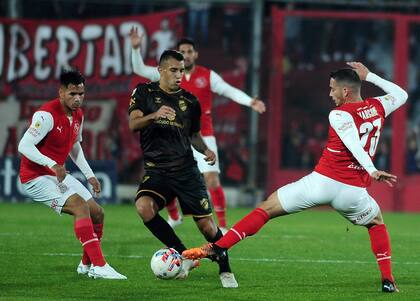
(137, 61)
(137, 119)
(198, 143)
(42, 124)
(78, 157)
(343, 124)
(219, 86)
(395, 97)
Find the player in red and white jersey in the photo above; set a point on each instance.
(342, 174)
(202, 83)
(54, 134)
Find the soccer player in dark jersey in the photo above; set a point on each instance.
(168, 119)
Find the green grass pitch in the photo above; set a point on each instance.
(315, 255)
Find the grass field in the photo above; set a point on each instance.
(315, 255)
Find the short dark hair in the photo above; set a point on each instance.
(71, 76)
(347, 76)
(185, 41)
(168, 54)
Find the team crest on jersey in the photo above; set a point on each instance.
(201, 82)
(205, 204)
(76, 128)
(182, 105)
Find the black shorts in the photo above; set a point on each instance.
(187, 185)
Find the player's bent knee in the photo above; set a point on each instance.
(76, 206)
(378, 220)
(146, 208)
(272, 206)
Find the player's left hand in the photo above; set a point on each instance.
(382, 176)
(210, 157)
(257, 105)
(96, 186)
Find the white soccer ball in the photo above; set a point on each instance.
(166, 263)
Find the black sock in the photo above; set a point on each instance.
(162, 231)
(223, 262)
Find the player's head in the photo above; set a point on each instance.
(188, 49)
(171, 69)
(344, 86)
(72, 89)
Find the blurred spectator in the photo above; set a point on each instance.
(382, 155)
(236, 29)
(163, 39)
(198, 14)
(69, 9)
(413, 162)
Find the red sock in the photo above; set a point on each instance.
(219, 202)
(247, 226)
(98, 229)
(173, 209)
(83, 229)
(381, 247)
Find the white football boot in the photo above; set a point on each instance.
(187, 266)
(104, 272)
(174, 222)
(83, 269)
(228, 280)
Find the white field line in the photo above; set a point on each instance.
(297, 260)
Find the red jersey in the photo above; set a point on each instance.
(337, 162)
(56, 144)
(199, 85)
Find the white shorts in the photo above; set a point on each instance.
(353, 202)
(46, 190)
(203, 165)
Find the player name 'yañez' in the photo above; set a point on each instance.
(369, 113)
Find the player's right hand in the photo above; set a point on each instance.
(210, 157)
(60, 172)
(165, 112)
(360, 69)
(382, 176)
(135, 38)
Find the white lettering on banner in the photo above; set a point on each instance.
(18, 62)
(65, 36)
(89, 34)
(43, 33)
(8, 172)
(2, 45)
(112, 53)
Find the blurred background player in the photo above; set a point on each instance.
(168, 119)
(342, 174)
(201, 82)
(54, 134)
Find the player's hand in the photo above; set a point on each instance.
(257, 105)
(60, 172)
(382, 176)
(165, 112)
(135, 38)
(210, 157)
(96, 186)
(360, 69)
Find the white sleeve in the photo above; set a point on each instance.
(78, 157)
(396, 96)
(141, 69)
(42, 124)
(219, 86)
(343, 124)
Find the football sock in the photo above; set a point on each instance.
(173, 209)
(83, 229)
(247, 226)
(98, 229)
(219, 202)
(162, 231)
(381, 247)
(224, 261)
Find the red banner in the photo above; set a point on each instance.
(33, 52)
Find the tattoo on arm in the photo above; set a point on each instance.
(198, 142)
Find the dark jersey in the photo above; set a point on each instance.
(166, 143)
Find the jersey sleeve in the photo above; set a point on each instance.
(343, 124)
(141, 69)
(396, 96)
(138, 99)
(219, 86)
(196, 118)
(42, 124)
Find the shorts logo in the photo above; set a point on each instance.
(205, 204)
(145, 178)
(182, 105)
(62, 187)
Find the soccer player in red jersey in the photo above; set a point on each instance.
(54, 134)
(342, 174)
(201, 82)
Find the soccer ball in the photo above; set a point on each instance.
(166, 263)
